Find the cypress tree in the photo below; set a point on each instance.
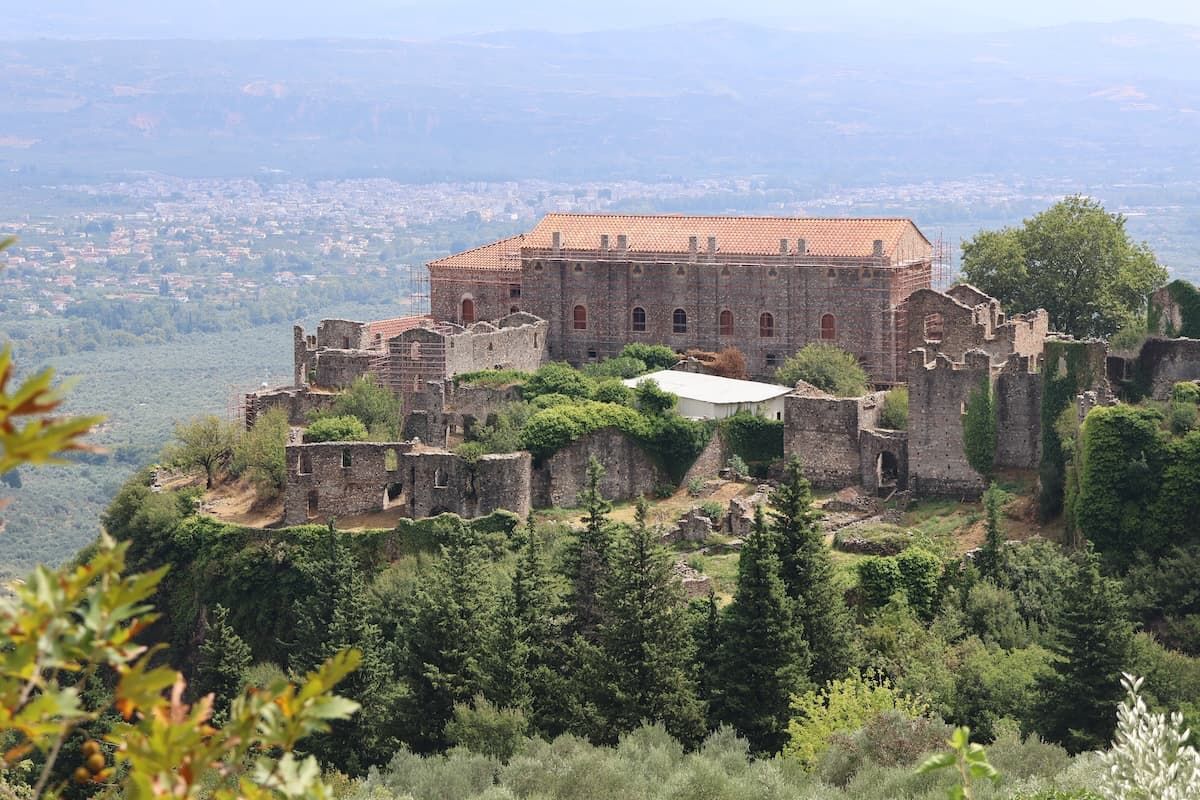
(223, 659)
(706, 633)
(446, 652)
(645, 640)
(538, 635)
(1094, 645)
(587, 564)
(764, 657)
(991, 555)
(807, 572)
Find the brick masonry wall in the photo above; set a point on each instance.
(490, 290)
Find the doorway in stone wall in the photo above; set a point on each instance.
(314, 505)
(394, 496)
(887, 472)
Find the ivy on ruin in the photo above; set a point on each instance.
(979, 429)
(1067, 372)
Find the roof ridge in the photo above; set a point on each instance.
(680, 215)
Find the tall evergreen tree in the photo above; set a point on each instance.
(335, 615)
(645, 639)
(538, 635)
(807, 572)
(587, 564)
(991, 555)
(764, 658)
(446, 652)
(223, 659)
(1094, 640)
(706, 634)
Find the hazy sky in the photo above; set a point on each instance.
(431, 18)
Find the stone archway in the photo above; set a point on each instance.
(887, 470)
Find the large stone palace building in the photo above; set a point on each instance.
(765, 285)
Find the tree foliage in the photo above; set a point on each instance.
(376, 407)
(827, 367)
(336, 429)
(1075, 260)
(260, 453)
(979, 429)
(205, 443)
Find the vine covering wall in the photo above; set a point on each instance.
(1068, 371)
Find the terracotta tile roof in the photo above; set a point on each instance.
(387, 328)
(502, 255)
(669, 233)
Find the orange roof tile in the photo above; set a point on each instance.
(387, 328)
(502, 255)
(669, 233)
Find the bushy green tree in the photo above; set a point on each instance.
(827, 367)
(979, 429)
(1075, 260)
(645, 639)
(893, 414)
(260, 453)
(764, 658)
(653, 399)
(1093, 646)
(376, 407)
(807, 572)
(654, 356)
(558, 377)
(206, 443)
(336, 429)
(612, 390)
(619, 367)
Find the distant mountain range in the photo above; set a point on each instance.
(1099, 102)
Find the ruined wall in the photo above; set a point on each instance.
(341, 334)
(796, 290)
(823, 432)
(881, 452)
(340, 368)
(938, 393)
(1164, 362)
(517, 343)
(712, 459)
(629, 471)
(1018, 397)
(971, 320)
(344, 478)
(296, 403)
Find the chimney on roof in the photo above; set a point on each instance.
(604, 242)
(801, 247)
(622, 242)
(556, 242)
(878, 248)
(693, 243)
(712, 245)
(783, 247)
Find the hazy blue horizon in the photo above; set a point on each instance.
(422, 19)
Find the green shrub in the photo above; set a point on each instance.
(754, 438)
(653, 399)
(495, 378)
(259, 454)
(551, 429)
(377, 407)
(695, 486)
(501, 432)
(893, 415)
(878, 579)
(654, 356)
(713, 510)
(484, 728)
(1181, 417)
(921, 574)
(619, 367)
(470, 452)
(875, 540)
(336, 429)
(551, 400)
(1186, 392)
(979, 429)
(612, 390)
(827, 367)
(737, 466)
(558, 378)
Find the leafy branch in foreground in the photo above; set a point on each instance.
(965, 757)
(1150, 758)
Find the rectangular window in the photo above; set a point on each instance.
(514, 290)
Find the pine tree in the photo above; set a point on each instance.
(1094, 645)
(764, 658)
(991, 555)
(538, 635)
(706, 634)
(587, 566)
(446, 649)
(336, 615)
(223, 659)
(645, 640)
(807, 572)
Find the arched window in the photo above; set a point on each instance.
(639, 319)
(766, 325)
(828, 327)
(725, 323)
(580, 318)
(679, 321)
(468, 311)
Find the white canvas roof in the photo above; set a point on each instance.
(711, 388)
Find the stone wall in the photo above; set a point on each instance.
(963, 318)
(1164, 362)
(340, 368)
(1018, 396)
(333, 479)
(880, 453)
(938, 393)
(296, 403)
(341, 334)
(517, 341)
(711, 461)
(629, 471)
(823, 432)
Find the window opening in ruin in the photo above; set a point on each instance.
(535, 341)
(832, 272)
(491, 346)
(468, 311)
(637, 270)
(725, 323)
(679, 321)
(639, 319)
(416, 384)
(514, 291)
(772, 360)
(393, 495)
(537, 266)
(305, 465)
(579, 267)
(725, 272)
(345, 342)
(934, 327)
(579, 317)
(592, 355)
(346, 461)
(439, 479)
(766, 326)
(887, 470)
(778, 415)
(313, 504)
(828, 327)
(391, 461)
